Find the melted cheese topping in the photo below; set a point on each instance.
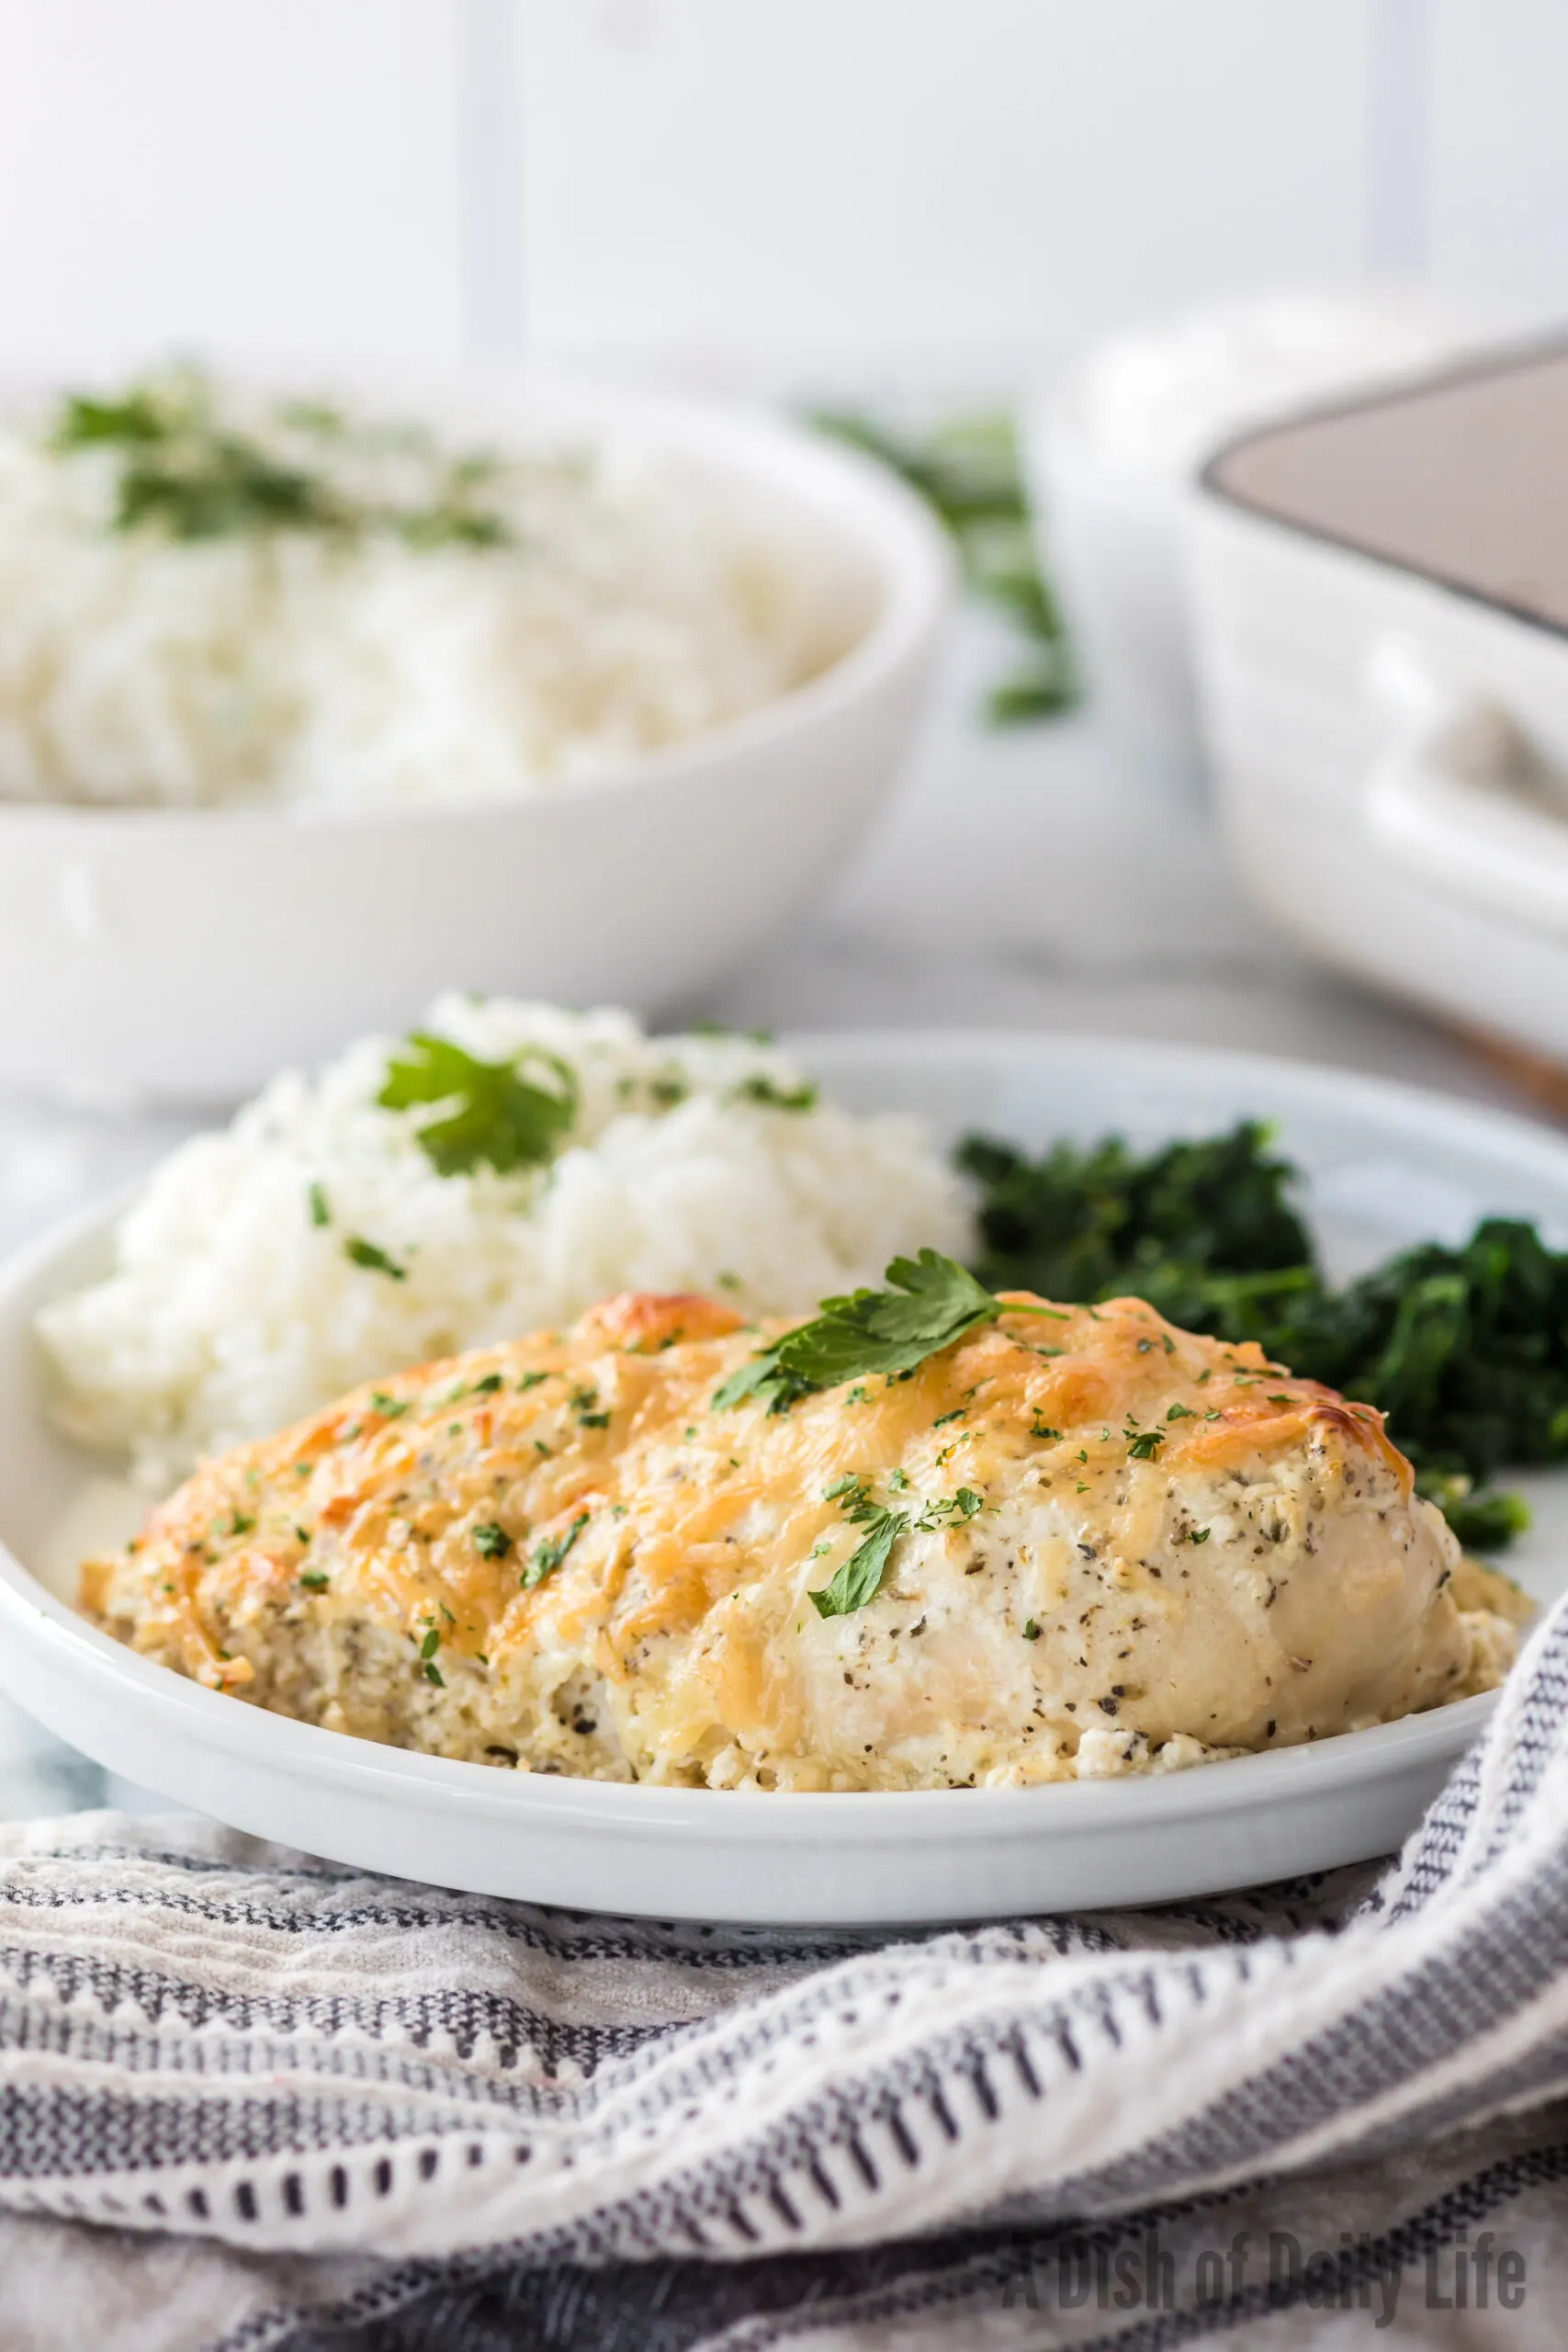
(1120, 1545)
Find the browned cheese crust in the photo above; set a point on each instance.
(1125, 1547)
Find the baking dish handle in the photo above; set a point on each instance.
(1446, 801)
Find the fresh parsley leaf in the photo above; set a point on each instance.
(314, 1580)
(390, 1409)
(374, 1258)
(857, 1581)
(933, 1302)
(234, 1522)
(858, 1578)
(431, 1642)
(490, 1541)
(547, 1556)
(316, 1201)
(504, 1116)
(1143, 1445)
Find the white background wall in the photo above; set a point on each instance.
(798, 190)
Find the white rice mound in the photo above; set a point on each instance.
(642, 601)
(229, 1313)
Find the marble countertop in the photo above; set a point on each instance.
(1028, 878)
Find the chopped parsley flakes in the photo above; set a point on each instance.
(548, 1556)
(584, 1403)
(374, 1258)
(955, 1509)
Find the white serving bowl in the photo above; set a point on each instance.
(186, 956)
(1384, 1166)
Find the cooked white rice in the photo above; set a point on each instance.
(228, 1312)
(639, 601)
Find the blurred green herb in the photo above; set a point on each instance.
(1483, 1522)
(967, 470)
(1465, 1349)
(191, 473)
(760, 1087)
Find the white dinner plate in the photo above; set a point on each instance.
(1386, 1165)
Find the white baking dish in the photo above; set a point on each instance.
(1382, 618)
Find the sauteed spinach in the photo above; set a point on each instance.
(1465, 1349)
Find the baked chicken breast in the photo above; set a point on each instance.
(1078, 1540)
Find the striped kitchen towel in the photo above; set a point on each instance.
(259, 2102)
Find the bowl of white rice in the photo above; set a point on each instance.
(311, 707)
